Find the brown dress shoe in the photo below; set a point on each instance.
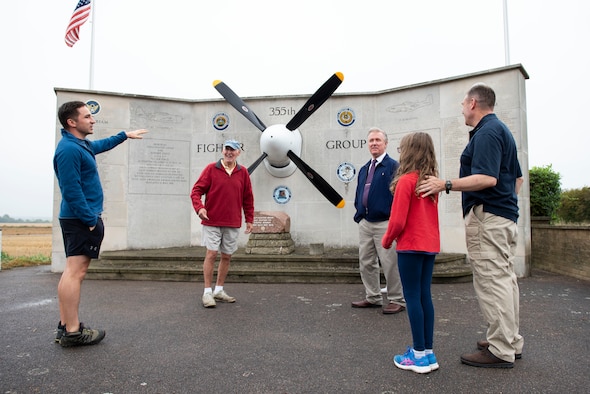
(485, 359)
(364, 304)
(483, 344)
(393, 308)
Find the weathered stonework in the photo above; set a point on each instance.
(154, 175)
(271, 222)
(270, 234)
(563, 250)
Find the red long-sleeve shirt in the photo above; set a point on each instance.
(225, 196)
(413, 220)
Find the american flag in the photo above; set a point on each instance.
(80, 15)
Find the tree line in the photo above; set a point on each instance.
(7, 219)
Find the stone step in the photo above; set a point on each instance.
(185, 264)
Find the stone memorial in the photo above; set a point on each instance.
(147, 183)
(270, 234)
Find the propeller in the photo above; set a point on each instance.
(281, 144)
(319, 182)
(231, 97)
(316, 100)
(256, 163)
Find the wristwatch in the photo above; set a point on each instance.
(448, 186)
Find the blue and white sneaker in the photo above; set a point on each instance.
(409, 362)
(432, 361)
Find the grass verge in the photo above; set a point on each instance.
(9, 262)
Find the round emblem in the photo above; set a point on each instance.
(93, 106)
(282, 194)
(346, 172)
(346, 117)
(220, 121)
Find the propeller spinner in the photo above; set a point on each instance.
(281, 144)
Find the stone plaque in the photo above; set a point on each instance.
(271, 222)
(159, 167)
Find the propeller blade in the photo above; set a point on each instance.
(256, 163)
(316, 100)
(236, 102)
(319, 182)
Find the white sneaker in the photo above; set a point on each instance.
(222, 296)
(208, 300)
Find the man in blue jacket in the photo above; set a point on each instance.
(373, 205)
(82, 228)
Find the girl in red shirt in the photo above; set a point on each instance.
(414, 224)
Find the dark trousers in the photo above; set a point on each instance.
(415, 271)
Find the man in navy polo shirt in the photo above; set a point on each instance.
(490, 178)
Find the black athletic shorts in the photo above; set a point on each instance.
(79, 240)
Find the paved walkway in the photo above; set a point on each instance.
(278, 338)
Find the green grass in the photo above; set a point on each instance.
(9, 262)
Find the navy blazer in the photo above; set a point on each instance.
(380, 197)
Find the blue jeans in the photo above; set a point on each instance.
(415, 271)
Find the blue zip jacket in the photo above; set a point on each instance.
(75, 167)
(380, 197)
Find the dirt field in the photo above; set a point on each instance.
(26, 239)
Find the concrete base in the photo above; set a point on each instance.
(316, 249)
(185, 264)
(266, 243)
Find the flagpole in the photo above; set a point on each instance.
(506, 43)
(91, 78)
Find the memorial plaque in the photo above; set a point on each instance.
(271, 222)
(159, 167)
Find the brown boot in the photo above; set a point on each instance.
(483, 344)
(485, 359)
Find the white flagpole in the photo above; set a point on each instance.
(506, 39)
(92, 13)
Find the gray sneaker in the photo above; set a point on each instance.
(208, 300)
(59, 332)
(222, 296)
(83, 337)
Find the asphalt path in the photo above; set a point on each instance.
(278, 338)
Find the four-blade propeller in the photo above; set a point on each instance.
(281, 144)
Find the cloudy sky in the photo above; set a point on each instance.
(176, 48)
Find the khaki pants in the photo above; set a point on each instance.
(491, 245)
(370, 254)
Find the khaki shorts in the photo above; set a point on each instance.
(222, 239)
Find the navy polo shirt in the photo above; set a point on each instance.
(492, 151)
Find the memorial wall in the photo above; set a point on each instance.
(147, 182)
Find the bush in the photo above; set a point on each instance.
(575, 205)
(545, 191)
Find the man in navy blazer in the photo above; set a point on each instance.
(373, 204)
